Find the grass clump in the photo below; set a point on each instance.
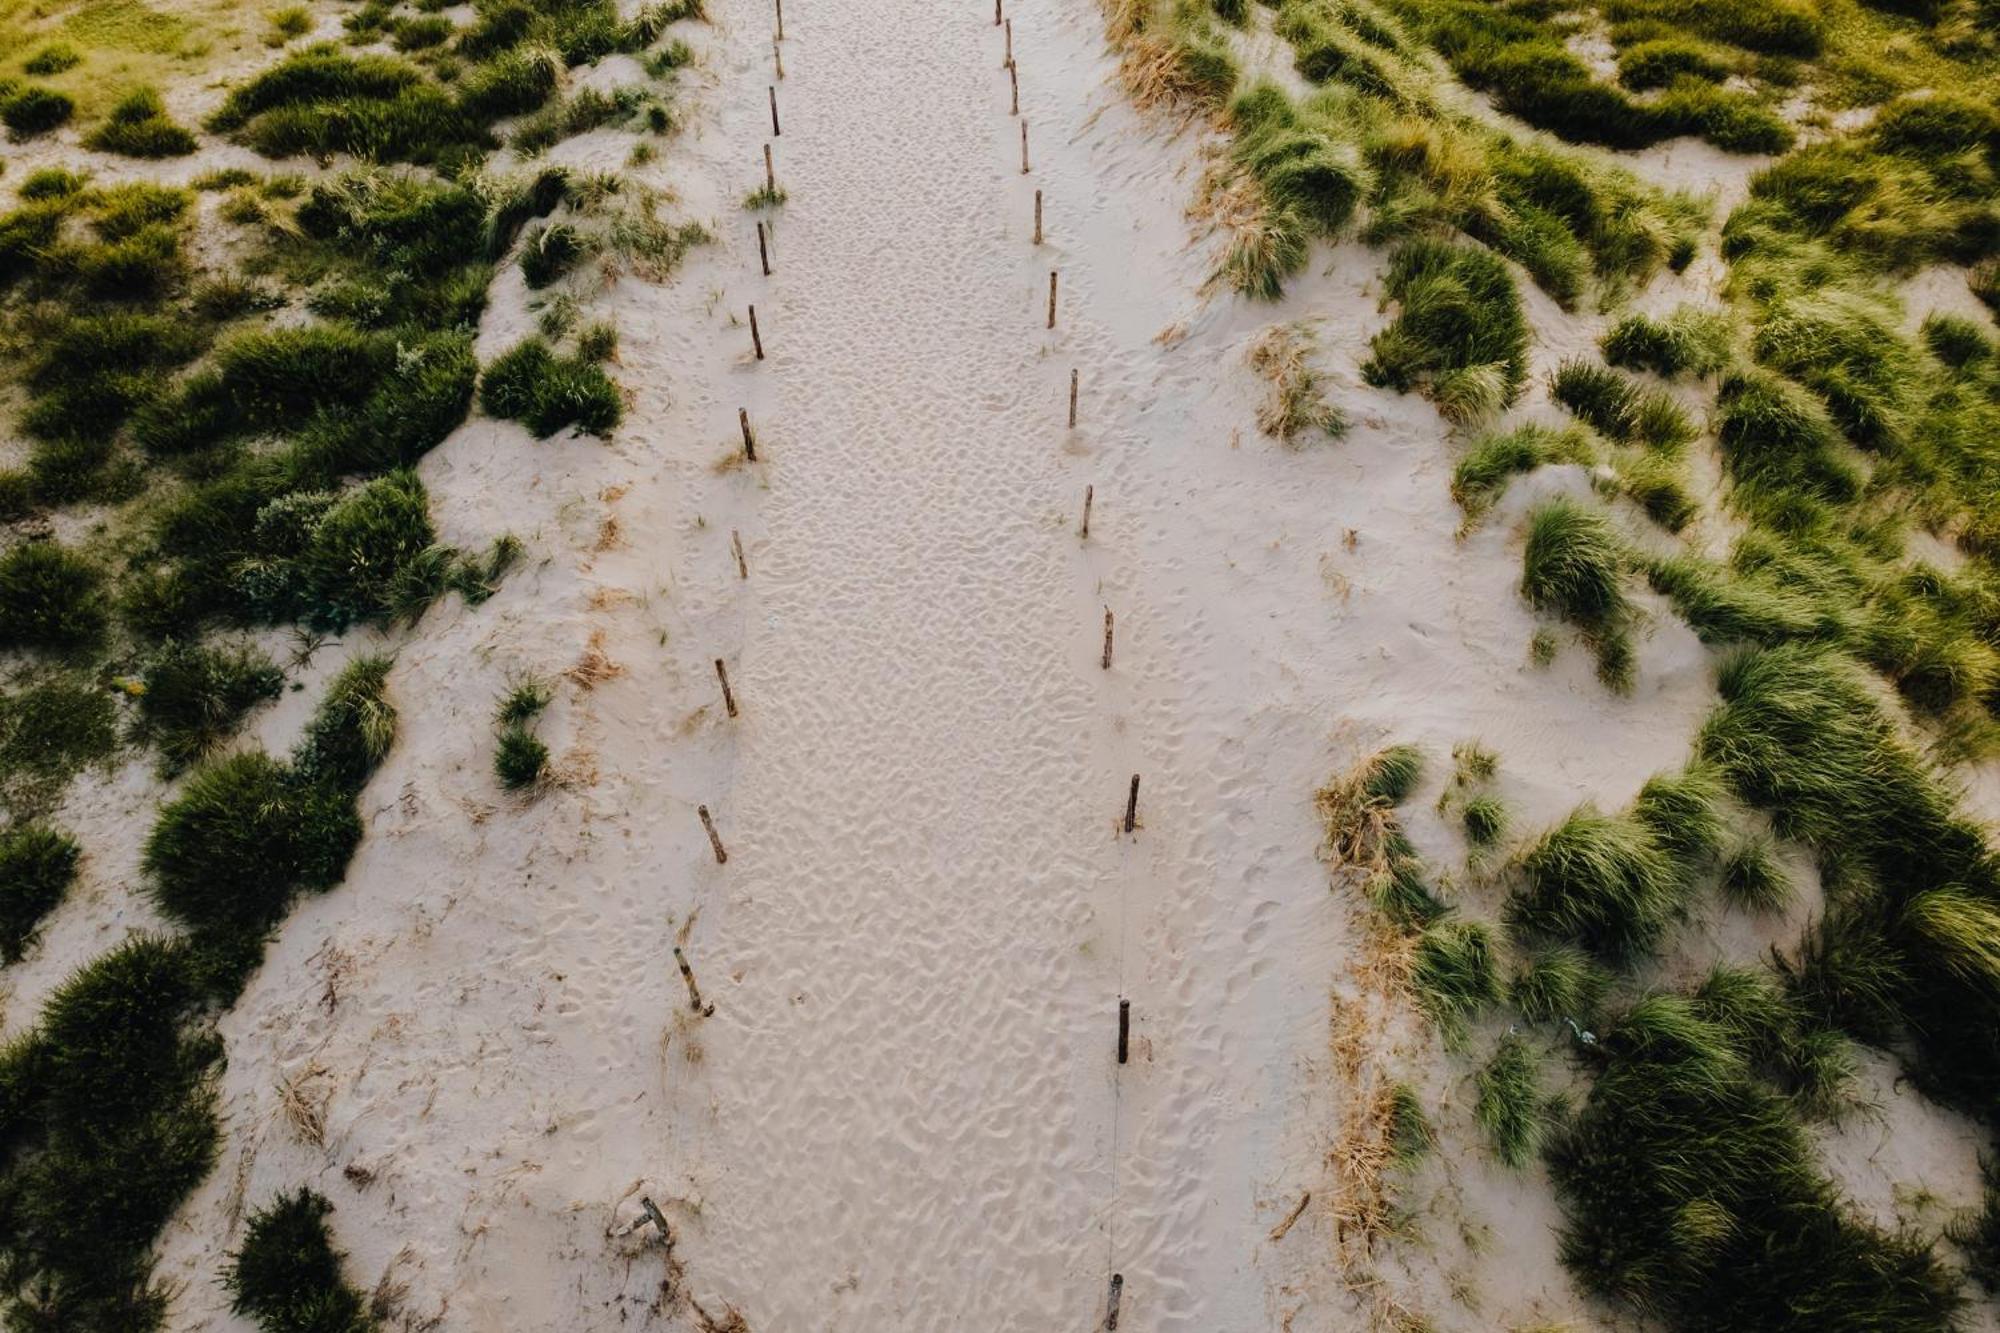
(1364, 833)
(1485, 820)
(1458, 333)
(37, 864)
(1753, 880)
(1391, 775)
(547, 393)
(55, 58)
(288, 1275)
(1453, 973)
(1690, 341)
(193, 697)
(1483, 474)
(1620, 408)
(50, 727)
(1600, 882)
(1573, 566)
(521, 761)
(1509, 1106)
(35, 111)
(1556, 982)
(50, 598)
(321, 101)
(138, 126)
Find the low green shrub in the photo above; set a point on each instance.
(37, 864)
(1454, 974)
(1662, 61)
(1573, 566)
(35, 110)
(521, 760)
(138, 126)
(1690, 341)
(55, 58)
(287, 1276)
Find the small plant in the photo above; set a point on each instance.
(193, 697)
(1600, 882)
(287, 24)
(522, 761)
(1410, 1134)
(766, 195)
(1556, 982)
(1509, 1105)
(547, 253)
(1572, 565)
(1459, 332)
(37, 864)
(36, 110)
(1753, 880)
(1298, 403)
(55, 58)
(1620, 408)
(138, 126)
(1690, 341)
(49, 598)
(1392, 774)
(547, 393)
(1453, 973)
(1482, 476)
(1485, 820)
(288, 1275)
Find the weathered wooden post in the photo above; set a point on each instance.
(1052, 298)
(781, 20)
(728, 695)
(757, 339)
(770, 174)
(749, 440)
(763, 251)
(1132, 805)
(1014, 80)
(694, 1003)
(1107, 638)
(714, 840)
(1024, 148)
(1111, 1312)
(736, 545)
(1038, 217)
(775, 131)
(1072, 399)
(1089, 493)
(1124, 1029)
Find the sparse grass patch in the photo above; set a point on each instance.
(1509, 1105)
(1297, 403)
(138, 126)
(1483, 474)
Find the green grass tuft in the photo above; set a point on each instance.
(1454, 974)
(1572, 566)
(1458, 332)
(287, 1276)
(1509, 1105)
(547, 392)
(1601, 882)
(193, 697)
(37, 864)
(1690, 341)
(50, 598)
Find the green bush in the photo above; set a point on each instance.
(546, 393)
(193, 697)
(37, 864)
(348, 569)
(522, 760)
(288, 1275)
(547, 253)
(49, 598)
(1573, 566)
(1392, 774)
(1778, 441)
(138, 126)
(34, 111)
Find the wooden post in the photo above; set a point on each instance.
(1009, 62)
(763, 251)
(1052, 301)
(1132, 805)
(778, 55)
(1072, 399)
(1089, 493)
(1107, 640)
(736, 545)
(653, 1213)
(775, 131)
(728, 695)
(1014, 81)
(1038, 217)
(694, 1003)
(757, 340)
(749, 440)
(1124, 1029)
(781, 20)
(996, 13)
(721, 857)
(1024, 148)
(1111, 1313)
(770, 172)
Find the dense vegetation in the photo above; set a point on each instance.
(230, 384)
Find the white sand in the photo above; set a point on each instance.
(904, 1112)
